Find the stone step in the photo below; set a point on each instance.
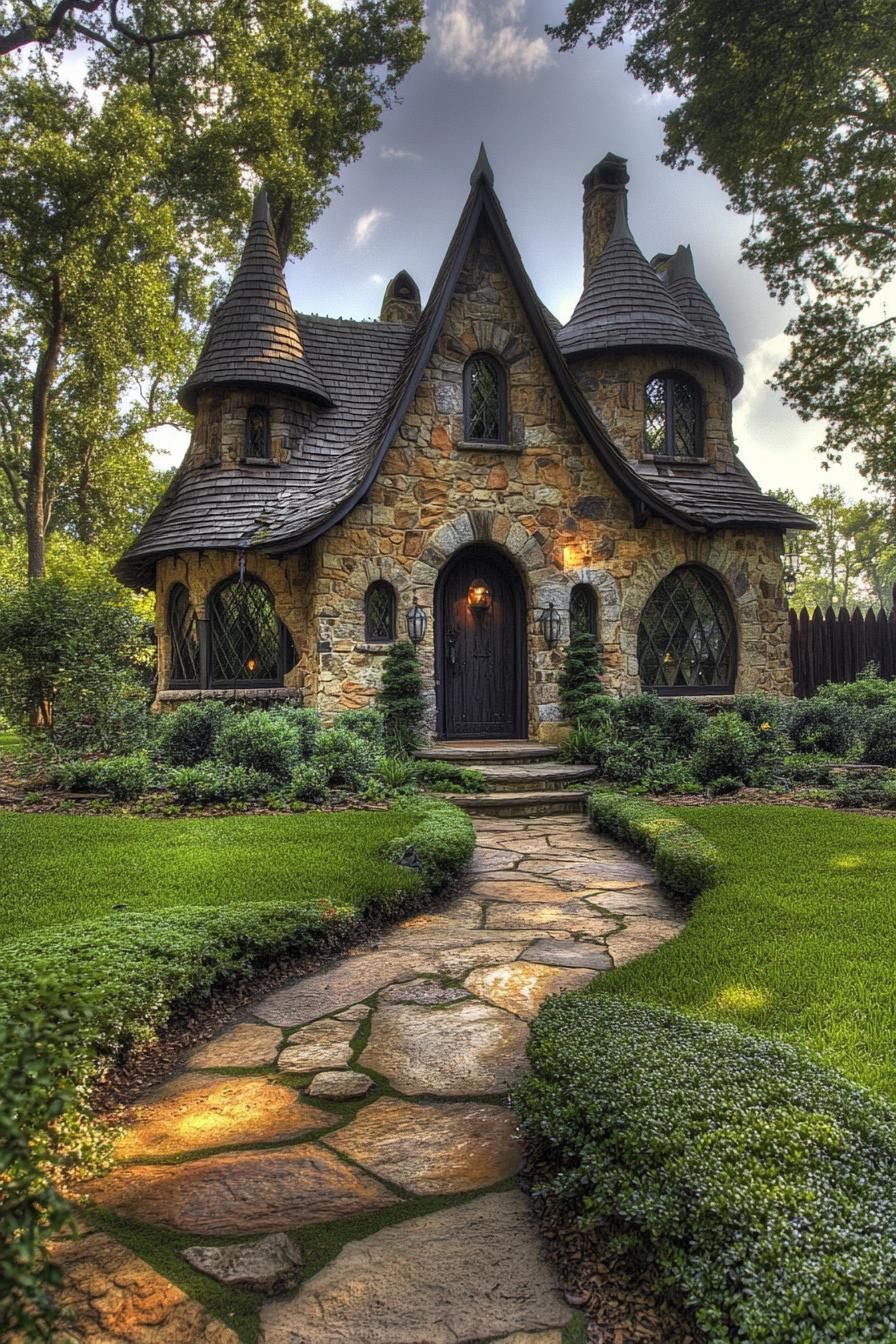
(535, 777)
(486, 753)
(529, 804)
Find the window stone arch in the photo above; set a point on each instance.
(183, 639)
(485, 400)
(687, 635)
(248, 645)
(673, 416)
(379, 613)
(582, 610)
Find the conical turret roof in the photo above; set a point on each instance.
(694, 301)
(626, 304)
(253, 338)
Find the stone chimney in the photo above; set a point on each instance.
(402, 300)
(604, 186)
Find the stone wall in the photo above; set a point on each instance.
(542, 498)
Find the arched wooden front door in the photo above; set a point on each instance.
(480, 649)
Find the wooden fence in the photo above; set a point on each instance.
(836, 645)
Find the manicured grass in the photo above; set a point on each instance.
(56, 870)
(797, 939)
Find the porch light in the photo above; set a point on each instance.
(791, 566)
(415, 617)
(551, 625)
(479, 595)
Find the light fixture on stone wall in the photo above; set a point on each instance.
(791, 565)
(551, 625)
(416, 620)
(479, 595)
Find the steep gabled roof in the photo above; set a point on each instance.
(625, 305)
(253, 337)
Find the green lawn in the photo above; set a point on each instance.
(797, 940)
(10, 741)
(56, 870)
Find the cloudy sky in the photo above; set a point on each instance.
(546, 117)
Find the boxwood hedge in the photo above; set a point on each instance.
(683, 858)
(763, 1183)
(74, 1002)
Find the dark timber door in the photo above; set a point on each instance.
(480, 650)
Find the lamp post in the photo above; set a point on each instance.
(416, 620)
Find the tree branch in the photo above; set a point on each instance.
(15, 489)
(29, 32)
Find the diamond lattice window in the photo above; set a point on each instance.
(379, 613)
(258, 432)
(686, 640)
(245, 635)
(672, 417)
(582, 611)
(485, 397)
(183, 634)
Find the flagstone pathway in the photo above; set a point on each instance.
(375, 1090)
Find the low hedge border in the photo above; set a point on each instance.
(762, 1183)
(685, 861)
(76, 1002)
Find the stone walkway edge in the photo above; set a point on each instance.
(376, 1090)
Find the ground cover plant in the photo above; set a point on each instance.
(132, 920)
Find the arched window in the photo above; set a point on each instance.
(687, 641)
(246, 636)
(183, 636)
(485, 400)
(582, 611)
(379, 613)
(258, 433)
(673, 421)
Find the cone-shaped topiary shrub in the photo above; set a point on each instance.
(583, 696)
(400, 700)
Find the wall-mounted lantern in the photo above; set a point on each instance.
(479, 595)
(551, 625)
(416, 619)
(791, 565)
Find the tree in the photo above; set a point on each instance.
(582, 693)
(791, 105)
(851, 559)
(123, 198)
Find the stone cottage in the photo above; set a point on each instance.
(474, 475)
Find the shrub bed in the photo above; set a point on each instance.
(683, 858)
(763, 1183)
(75, 1001)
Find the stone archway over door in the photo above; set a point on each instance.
(481, 675)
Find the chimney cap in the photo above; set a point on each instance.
(612, 171)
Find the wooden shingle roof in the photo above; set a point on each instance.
(253, 338)
(625, 305)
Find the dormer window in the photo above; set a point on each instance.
(258, 434)
(672, 417)
(485, 401)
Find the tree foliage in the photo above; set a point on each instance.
(791, 105)
(400, 700)
(851, 559)
(131, 137)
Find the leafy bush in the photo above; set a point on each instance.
(683, 858)
(447, 777)
(125, 777)
(212, 782)
(763, 1183)
(586, 745)
(762, 711)
(862, 791)
(309, 783)
(395, 772)
(366, 723)
(672, 777)
(865, 693)
(75, 663)
(582, 694)
(260, 740)
(681, 723)
(823, 723)
(880, 744)
(306, 723)
(727, 747)
(188, 734)
(400, 700)
(346, 760)
(440, 845)
(724, 784)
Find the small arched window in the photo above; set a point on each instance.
(687, 637)
(582, 611)
(258, 434)
(379, 613)
(673, 420)
(245, 634)
(183, 637)
(485, 400)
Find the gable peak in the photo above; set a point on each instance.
(482, 169)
